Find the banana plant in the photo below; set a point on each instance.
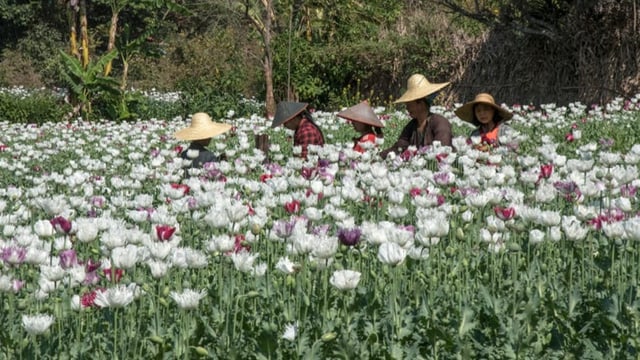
(87, 83)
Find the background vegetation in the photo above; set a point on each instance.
(330, 53)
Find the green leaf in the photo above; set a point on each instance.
(467, 324)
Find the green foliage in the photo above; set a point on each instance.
(218, 104)
(87, 84)
(147, 108)
(347, 51)
(16, 69)
(118, 105)
(38, 107)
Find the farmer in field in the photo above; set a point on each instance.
(425, 127)
(489, 119)
(200, 132)
(366, 123)
(295, 116)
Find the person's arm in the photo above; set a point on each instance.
(441, 130)
(402, 143)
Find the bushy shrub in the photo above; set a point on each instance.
(219, 104)
(17, 69)
(146, 108)
(32, 107)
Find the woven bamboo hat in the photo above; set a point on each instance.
(202, 127)
(362, 113)
(419, 87)
(465, 112)
(287, 110)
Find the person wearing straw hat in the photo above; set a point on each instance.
(425, 127)
(200, 132)
(489, 118)
(295, 116)
(366, 123)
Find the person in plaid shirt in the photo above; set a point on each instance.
(294, 116)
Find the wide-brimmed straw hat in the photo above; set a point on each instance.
(419, 87)
(202, 127)
(362, 113)
(465, 112)
(287, 110)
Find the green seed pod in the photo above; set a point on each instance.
(513, 246)
(291, 281)
(328, 336)
(449, 251)
(273, 327)
(146, 288)
(163, 302)
(252, 294)
(256, 229)
(459, 234)
(166, 291)
(201, 351)
(156, 339)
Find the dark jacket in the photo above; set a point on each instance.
(204, 156)
(438, 129)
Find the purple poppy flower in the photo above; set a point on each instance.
(61, 224)
(349, 237)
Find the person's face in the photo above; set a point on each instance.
(203, 142)
(484, 113)
(359, 127)
(417, 108)
(293, 123)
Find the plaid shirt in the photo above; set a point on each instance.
(307, 134)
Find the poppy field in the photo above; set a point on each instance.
(109, 251)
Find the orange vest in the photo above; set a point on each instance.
(368, 138)
(492, 135)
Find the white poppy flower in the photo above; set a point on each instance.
(391, 253)
(345, 279)
(188, 298)
(37, 324)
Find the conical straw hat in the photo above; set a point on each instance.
(465, 112)
(419, 87)
(202, 127)
(362, 113)
(287, 110)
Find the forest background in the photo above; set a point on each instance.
(331, 53)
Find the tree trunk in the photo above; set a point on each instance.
(125, 71)
(268, 62)
(72, 19)
(84, 33)
(112, 38)
(73, 40)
